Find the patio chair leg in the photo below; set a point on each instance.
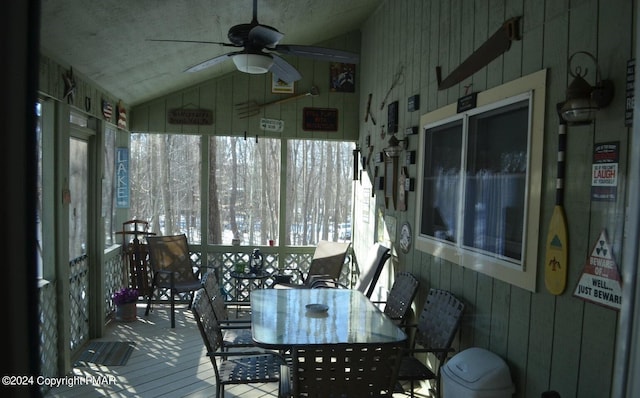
(173, 315)
(146, 312)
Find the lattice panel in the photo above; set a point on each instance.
(115, 270)
(79, 302)
(48, 330)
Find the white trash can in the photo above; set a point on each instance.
(476, 373)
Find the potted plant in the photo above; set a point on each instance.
(125, 300)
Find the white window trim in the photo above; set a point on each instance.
(525, 276)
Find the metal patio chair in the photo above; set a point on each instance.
(326, 265)
(236, 367)
(342, 371)
(400, 297)
(172, 269)
(437, 326)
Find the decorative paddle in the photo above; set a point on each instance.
(557, 243)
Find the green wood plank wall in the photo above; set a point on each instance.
(549, 342)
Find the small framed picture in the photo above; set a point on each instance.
(343, 77)
(280, 86)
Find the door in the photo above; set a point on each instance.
(77, 196)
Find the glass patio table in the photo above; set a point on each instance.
(284, 318)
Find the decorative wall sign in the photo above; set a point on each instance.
(413, 103)
(405, 237)
(320, 119)
(411, 130)
(410, 157)
(467, 102)
(342, 77)
(279, 86)
(600, 282)
(272, 125)
(190, 116)
(122, 177)
(604, 170)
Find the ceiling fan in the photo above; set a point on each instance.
(259, 51)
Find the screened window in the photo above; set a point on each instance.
(320, 191)
(165, 183)
(108, 186)
(479, 182)
(245, 193)
(244, 186)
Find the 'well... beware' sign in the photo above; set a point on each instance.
(600, 280)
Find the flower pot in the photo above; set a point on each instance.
(126, 312)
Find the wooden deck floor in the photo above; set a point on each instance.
(165, 363)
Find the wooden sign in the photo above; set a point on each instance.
(271, 125)
(190, 116)
(320, 119)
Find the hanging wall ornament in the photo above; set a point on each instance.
(69, 86)
(121, 115)
(107, 110)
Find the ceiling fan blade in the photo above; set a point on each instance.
(320, 53)
(209, 63)
(284, 70)
(194, 41)
(265, 36)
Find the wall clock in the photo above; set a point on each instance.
(405, 237)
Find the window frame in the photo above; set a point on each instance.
(524, 276)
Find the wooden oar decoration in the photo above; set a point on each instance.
(557, 243)
(497, 44)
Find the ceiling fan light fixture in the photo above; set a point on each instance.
(252, 63)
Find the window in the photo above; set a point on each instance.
(165, 183)
(243, 194)
(320, 191)
(244, 182)
(108, 186)
(479, 192)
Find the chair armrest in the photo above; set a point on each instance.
(430, 350)
(278, 273)
(246, 326)
(240, 303)
(235, 321)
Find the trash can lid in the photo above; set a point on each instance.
(479, 367)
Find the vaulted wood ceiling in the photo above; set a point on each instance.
(107, 41)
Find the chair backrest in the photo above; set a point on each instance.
(328, 259)
(207, 325)
(213, 293)
(439, 321)
(401, 296)
(345, 370)
(371, 268)
(170, 253)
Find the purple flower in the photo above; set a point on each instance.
(125, 295)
